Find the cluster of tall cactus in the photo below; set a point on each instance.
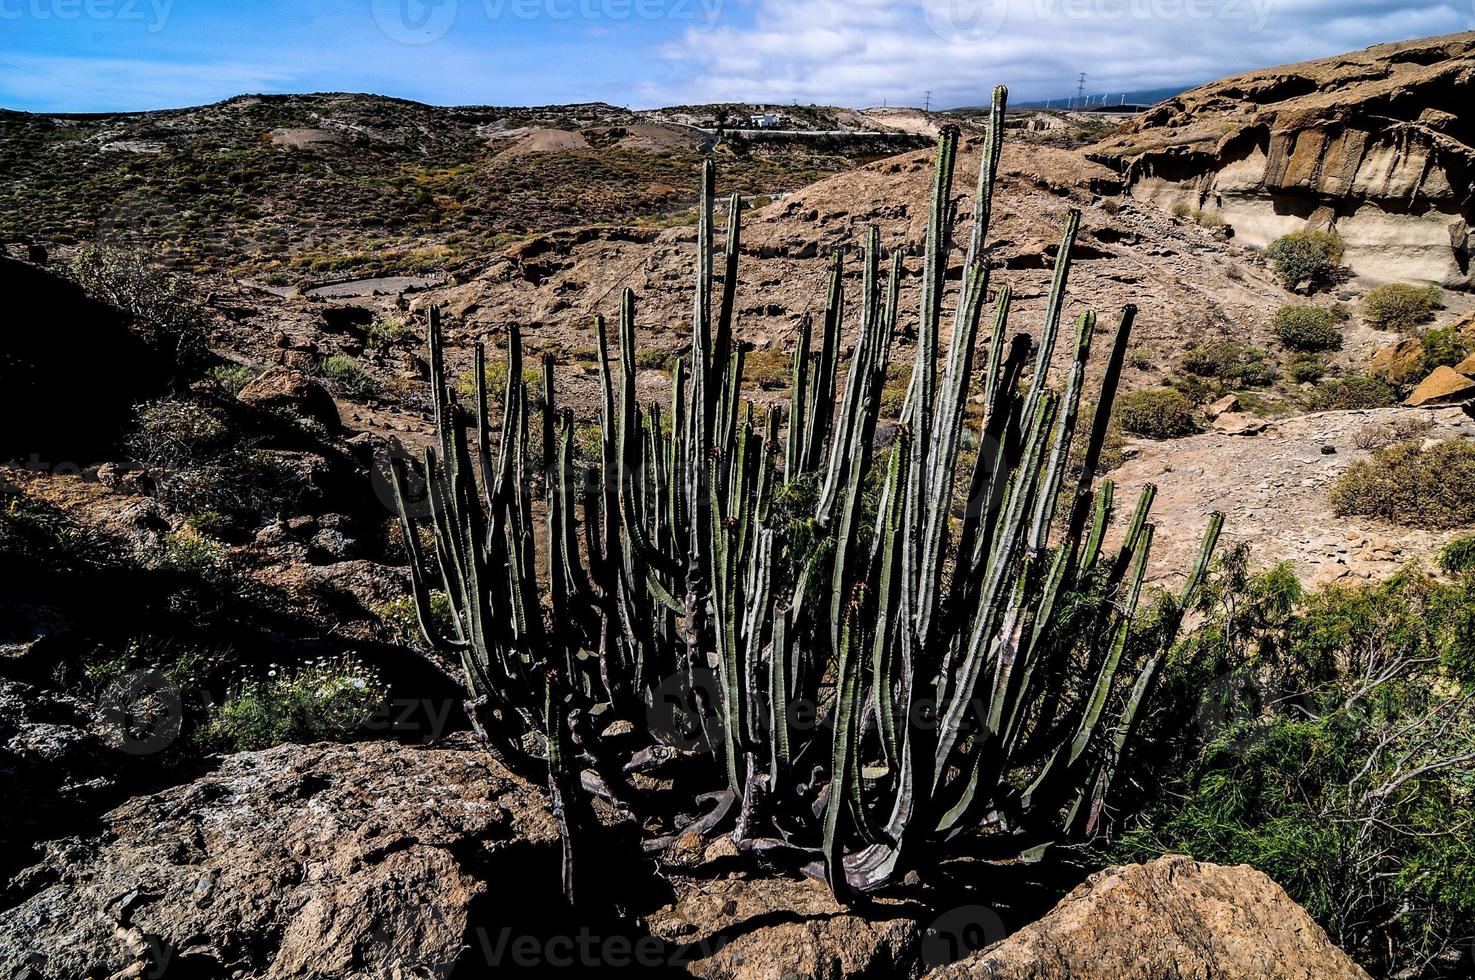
(845, 644)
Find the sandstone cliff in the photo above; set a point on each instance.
(1378, 145)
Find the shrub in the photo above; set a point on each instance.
(400, 618)
(1157, 413)
(1458, 557)
(1408, 484)
(1305, 257)
(349, 376)
(1307, 328)
(174, 433)
(190, 554)
(1230, 363)
(1301, 715)
(164, 310)
(1359, 391)
(496, 382)
(231, 377)
(389, 330)
(328, 698)
(1444, 347)
(1305, 369)
(1399, 307)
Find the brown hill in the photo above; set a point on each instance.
(1377, 145)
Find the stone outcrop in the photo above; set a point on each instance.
(294, 391)
(1443, 386)
(1172, 917)
(1377, 145)
(299, 861)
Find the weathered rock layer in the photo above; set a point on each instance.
(1377, 145)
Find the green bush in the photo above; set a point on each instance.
(175, 433)
(400, 618)
(1399, 307)
(326, 699)
(1408, 484)
(349, 376)
(389, 330)
(1230, 363)
(1307, 328)
(1306, 369)
(1458, 557)
(1359, 391)
(231, 377)
(1157, 413)
(164, 309)
(1305, 257)
(191, 554)
(1291, 751)
(1444, 347)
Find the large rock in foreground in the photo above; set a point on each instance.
(1172, 917)
(299, 861)
(1375, 145)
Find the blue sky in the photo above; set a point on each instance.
(97, 55)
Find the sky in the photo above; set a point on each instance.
(111, 55)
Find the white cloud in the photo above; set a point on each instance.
(863, 51)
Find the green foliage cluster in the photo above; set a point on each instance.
(349, 377)
(1400, 307)
(1229, 364)
(1325, 738)
(1305, 258)
(1352, 392)
(328, 698)
(1307, 329)
(204, 462)
(1157, 413)
(164, 309)
(1408, 484)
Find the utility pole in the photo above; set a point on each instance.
(1080, 85)
(927, 101)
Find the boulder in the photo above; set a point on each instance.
(1239, 424)
(1398, 363)
(362, 860)
(294, 391)
(1172, 917)
(1229, 403)
(1443, 386)
(1467, 366)
(777, 928)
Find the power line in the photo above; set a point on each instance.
(927, 101)
(1080, 85)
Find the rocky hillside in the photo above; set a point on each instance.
(1377, 145)
(293, 189)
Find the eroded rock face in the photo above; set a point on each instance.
(1377, 145)
(1172, 917)
(300, 861)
